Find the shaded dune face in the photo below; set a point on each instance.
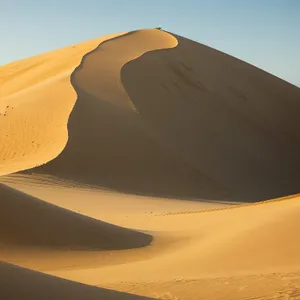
(228, 119)
(28, 221)
(109, 143)
(34, 285)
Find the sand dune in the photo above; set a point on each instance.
(156, 115)
(197, 124)
(33, 285)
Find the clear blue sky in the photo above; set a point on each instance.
(265, 33)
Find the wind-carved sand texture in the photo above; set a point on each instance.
(140, 149)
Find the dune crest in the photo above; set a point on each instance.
(252, 239)
(99, 72)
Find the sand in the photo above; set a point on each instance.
(36, 100)
(141, 158)
(34, 285)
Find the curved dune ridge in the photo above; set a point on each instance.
(28, 221)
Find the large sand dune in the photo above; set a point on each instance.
(197, 123)
(101, 129)
(104, 122)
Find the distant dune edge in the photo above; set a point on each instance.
(156, 114)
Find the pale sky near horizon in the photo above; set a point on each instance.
(263, 33)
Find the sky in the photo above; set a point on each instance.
(265, 33)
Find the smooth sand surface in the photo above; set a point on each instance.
(145, 195)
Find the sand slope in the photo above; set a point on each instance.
(36, 98)
(28, 221)
(250, 252)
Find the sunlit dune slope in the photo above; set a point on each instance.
(19, 283)
(255, 238)
(36, 98)
(28, 221)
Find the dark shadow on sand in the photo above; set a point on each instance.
(18, 283)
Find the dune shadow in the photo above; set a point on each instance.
(20, 283)
(28, 221)
(229, 120)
